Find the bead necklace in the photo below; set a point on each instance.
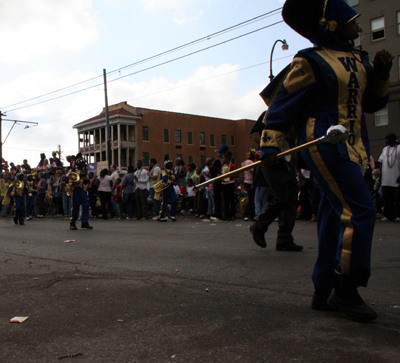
(390, 165)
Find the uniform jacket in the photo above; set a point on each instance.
(324, 87)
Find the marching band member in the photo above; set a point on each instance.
(333, 83)
(30, 204)
(77, 185)
(168, 176)
(19, 191)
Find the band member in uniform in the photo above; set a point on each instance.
(30, 199)
(19, 191)
(168, 176)
(77, 185)
(333, 83)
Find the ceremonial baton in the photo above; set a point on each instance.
(335, 135)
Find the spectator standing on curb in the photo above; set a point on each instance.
(228, 188)
(104, 191)
(390, 179)
(114, 174)
(128, 188)
(27, 168)
(217, 194)
(249, 212)
(260, 186)
(141, 191)
(41, 188)
(93, 195)
(191, 173)
(117, 199)
(180, 170)
(154, 176)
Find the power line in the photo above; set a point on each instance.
(184, 85)
(152, 67)
(237, 26)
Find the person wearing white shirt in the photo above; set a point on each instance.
(390, 171)
(154, 176)
(114, 174)
(141, 191)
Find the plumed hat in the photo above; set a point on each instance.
(222, 150)
(317, 20)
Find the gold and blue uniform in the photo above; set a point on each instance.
(19, 195)
(327, 86)
(168, 176)
(78, 194)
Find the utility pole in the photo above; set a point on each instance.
(108, 131)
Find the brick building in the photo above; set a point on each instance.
(142, 134)
(380, 21)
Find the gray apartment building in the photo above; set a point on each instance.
(380, 21)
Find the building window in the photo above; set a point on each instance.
(179, 156)
(223, 140)
(352, 2)
(190, 159)
(378, 28)
(381, 117)
(146, 159)
(202, 138)
(233, 140)
(145, 133)
(166, 135)
(203, 161)
(212, 140)
(166, 157)
(178, 136)
(190, 137)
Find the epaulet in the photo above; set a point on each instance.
(308, 50)
(268, 94)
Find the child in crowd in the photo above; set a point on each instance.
(200, 201)
(177, 189)
(117, 198)
(188, 200)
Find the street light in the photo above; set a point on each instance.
(285, 46)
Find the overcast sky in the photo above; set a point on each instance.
(48, 45)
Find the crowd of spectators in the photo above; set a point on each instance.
(132, 195)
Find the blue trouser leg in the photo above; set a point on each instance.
(168, 196)
(20, 209)
(79, 197)
(66, 203)
(346, 217)
(76, 202)
(29, 205)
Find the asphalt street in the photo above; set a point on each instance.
(190, 291)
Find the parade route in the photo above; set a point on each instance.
(191, 291)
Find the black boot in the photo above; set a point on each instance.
(86, 226)
(288, 246)
(258, 236)
(345, 298)
(319, 301)
(72, 227)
